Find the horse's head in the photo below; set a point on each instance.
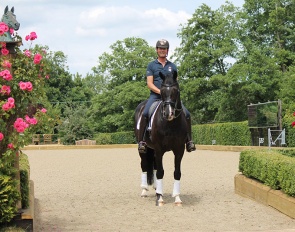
(170, 94)
(10, 19)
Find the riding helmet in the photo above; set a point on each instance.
(162, 43)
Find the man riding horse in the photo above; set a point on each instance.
(161, 64)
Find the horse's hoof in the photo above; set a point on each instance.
(144, 193)
(178, 203)
(159, 203)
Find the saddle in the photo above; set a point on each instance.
(152, 111)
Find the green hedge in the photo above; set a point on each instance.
(271, 167)
(9, 194)
(24, 169)
(234, 134)
(115, 138)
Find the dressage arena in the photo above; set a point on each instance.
(99, 190)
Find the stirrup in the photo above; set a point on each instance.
(190, 146)
(142, 147)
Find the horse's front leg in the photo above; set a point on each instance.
(144, 184)
(159, 181)
(177, 176)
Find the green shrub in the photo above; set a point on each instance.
(115, 138)
(271, 167)
(8, 198)
(24, 169)
(103, 138)
(235, 134)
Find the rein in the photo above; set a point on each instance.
(171, 103)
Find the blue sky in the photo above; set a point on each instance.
(83, 30)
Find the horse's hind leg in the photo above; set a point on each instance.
(147, 175)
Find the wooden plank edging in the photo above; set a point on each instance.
(259, 192)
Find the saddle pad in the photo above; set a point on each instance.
(152, 112)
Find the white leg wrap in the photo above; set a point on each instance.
(155, 179)
(159, 188)
(144, 184)
(176, 188)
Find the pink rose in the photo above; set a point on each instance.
(1, 136)
(1, 31)
(9, 104)
(20, 125)
(11, 31)
(33, 36)
(6, 106)
(22, 85)
(10, 146)
(37, 58)
(4, 26)
(6, 64)
(43, 110)
(10, 100)
(8, 77)
(5, 90)
(33, 120)
(27, 53)
(29, 86)
(4, 51)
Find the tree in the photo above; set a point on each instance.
(122, 73)
(75, 124)
(114, 109)
(209, 43)
(126, 62)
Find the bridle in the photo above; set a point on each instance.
(171, 103)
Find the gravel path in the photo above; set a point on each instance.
(99, 190)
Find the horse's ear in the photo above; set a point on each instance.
(12, 9)
(162, 76)
(175, 75)
(6, 9)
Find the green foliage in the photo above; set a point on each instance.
(235, 134)
(115, 138)
(75, 125)
(24, 169)
(126, 62)
(206, 41)
(8, 198)
(270, 167)
(114, 109)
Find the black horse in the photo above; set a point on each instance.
(168, 133)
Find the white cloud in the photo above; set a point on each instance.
(83, 30)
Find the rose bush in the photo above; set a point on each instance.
(22, 78)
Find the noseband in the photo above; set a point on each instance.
(171, 103)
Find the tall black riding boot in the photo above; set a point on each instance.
(190, 146)
(142, 130)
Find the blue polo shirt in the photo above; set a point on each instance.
(155, 67)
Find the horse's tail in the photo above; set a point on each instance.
(150, 166)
